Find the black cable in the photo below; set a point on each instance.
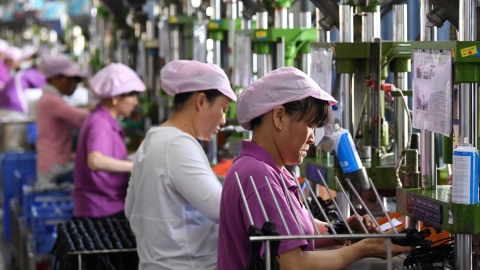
(82, 234)
(269, 229)
(128, 230)
(87, 240)
(426, 257)
(76, 237)
(255, 261)
(117, 244)
(90, 227)
(414, 238)
(122, 234)
(103, 234)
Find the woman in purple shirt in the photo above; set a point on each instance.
(101, 166)
(14, 97)
(282, 109)
(4, 72)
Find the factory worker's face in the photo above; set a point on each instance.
(68, 84)
(293, 139)
(211, 116)
(126, 103)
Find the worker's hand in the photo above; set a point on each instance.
(354, 223)
(377, 247)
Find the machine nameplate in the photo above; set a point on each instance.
(425, 209)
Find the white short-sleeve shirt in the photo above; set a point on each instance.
(173, 202)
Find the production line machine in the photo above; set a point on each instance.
(456, 64)
(444, 104)
(380, 118)
(375, 114)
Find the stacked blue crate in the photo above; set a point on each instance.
(43, 211)
(12, 163)
(23, 178)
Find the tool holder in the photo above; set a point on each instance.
(351, 235)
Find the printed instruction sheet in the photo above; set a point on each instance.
(432, 90)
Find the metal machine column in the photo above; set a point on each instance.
(231, 16)
(213, 144)
(262, 59)
(281, 22)
(306, 22)
(401, 81)
(174, 36)
(323, 35)
(429, 166)
(346, 90)
(468, 105)
(346, 79)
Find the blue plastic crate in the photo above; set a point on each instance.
(44, 199)
(45, 219)
(12, 162)
(23, 178)
(16, 162)
(44, 243)
(43, 223)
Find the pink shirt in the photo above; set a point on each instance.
(55, 122)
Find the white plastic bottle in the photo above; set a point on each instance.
(465, 174)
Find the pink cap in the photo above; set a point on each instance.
(115, 79)
(13, 53)
(61, 64)
(182, 76)
(28, 51)
(3, 46)
(283, 85)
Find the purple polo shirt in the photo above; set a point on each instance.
(30, 78)
(98, 193)
(233, 239)
(4, 74)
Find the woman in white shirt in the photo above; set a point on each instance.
(173, 198)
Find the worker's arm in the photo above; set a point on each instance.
(193, 178)
(338, 258)
(130, 199)
(99, 162)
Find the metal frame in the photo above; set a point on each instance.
(107, 251)
(350, 235)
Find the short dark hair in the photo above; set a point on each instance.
(129, 94)
(181, 99)
(313, 111)
(78, 79)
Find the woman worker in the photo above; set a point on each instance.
(56, 120)
(101, 166)
(282, 109)
(173, 198)
(13, 57)
(13, 98)
(4, 70)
